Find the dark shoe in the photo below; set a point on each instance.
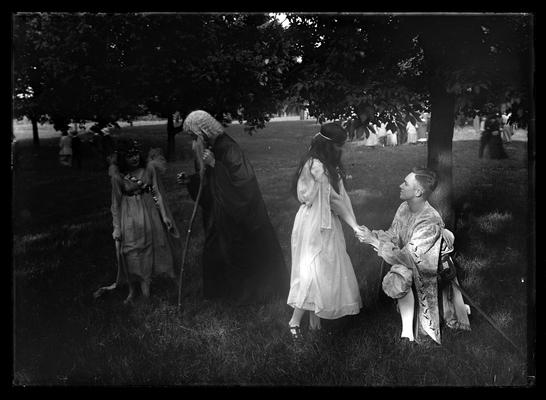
(295, 332)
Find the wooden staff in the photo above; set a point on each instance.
(187, 243)
(201, 179)
(487, 318)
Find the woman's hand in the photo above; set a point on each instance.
(359, 233)
(363, 234)
(208, 158)
(366, 236)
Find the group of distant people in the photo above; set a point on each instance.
(242, 259)
(495, 129)
(96, 143)
(374, 132)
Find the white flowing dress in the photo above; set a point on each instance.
(322, 278)
(412, 133)
(372, 140)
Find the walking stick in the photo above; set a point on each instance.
(486, 317)
(201, 176)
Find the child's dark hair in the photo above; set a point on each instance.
(323, 148)
(126, 148)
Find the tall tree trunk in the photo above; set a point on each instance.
(170, 138)
(441, 55)
(440, 146)
(35, 137)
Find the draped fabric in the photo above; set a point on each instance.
(65, 144)
(372, 139)
(242, 258)
(454, 310)
(421, 130)
(491, 141)
(391, 138)
(147, 247)
(322, 275)
(415, 240)
(412, 132)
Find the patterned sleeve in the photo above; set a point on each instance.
(424, 237)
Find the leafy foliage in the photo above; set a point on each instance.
(105, 67)
(353, 60)
(229, 65)
(392, 61)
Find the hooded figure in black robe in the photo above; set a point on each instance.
(242, 259)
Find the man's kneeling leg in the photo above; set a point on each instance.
(406, 304)
(397, 285)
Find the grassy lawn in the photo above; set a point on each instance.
(63, 251)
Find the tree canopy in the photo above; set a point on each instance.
(349, 59)
(112, 66)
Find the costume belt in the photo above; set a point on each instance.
(138, 192)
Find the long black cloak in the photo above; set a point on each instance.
(242, 258)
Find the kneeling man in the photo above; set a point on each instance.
(415, 246)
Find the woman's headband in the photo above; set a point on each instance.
(320, 134)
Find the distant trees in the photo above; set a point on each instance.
(231, 65)
(69, 68)
(30, 80)
(104, 67)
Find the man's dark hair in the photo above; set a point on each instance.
(427, 178)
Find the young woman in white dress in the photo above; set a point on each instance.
(412, 133)
(322, 280)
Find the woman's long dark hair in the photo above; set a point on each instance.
(324, 149)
